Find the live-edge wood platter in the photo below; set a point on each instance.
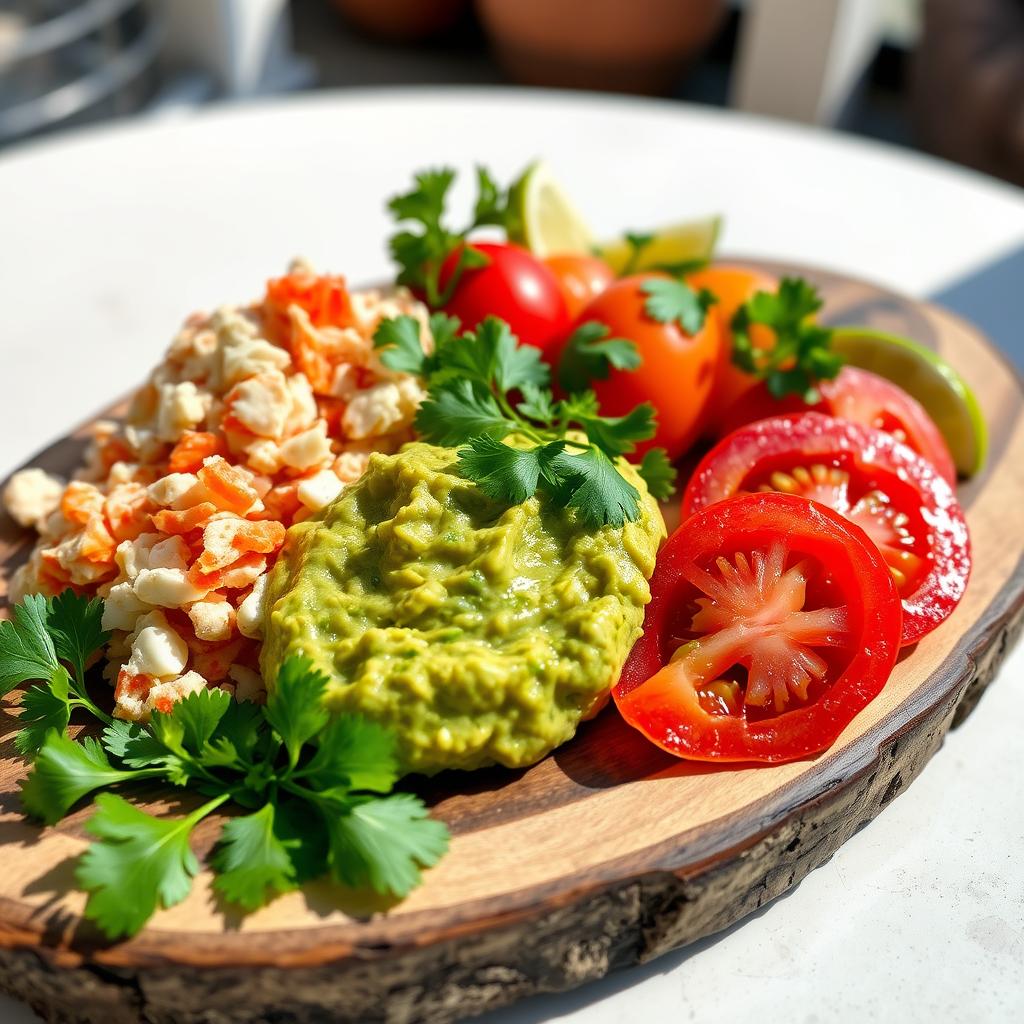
(605, 854)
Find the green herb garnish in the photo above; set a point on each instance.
(483, 387)
(316, 787)
(589, 354)
(671, 301)
(801, 354)
(421, 253)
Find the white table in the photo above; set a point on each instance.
(109, 238)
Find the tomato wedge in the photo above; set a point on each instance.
(887, 489)
(773, 621)
(860, 396)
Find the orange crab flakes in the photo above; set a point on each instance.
(282, 502)
(188, 519)
(195, 446)
(324, 297)
(230, 487)
(97, 544)
(80, 502)
(213, 664)
(127, 511)
(133, 684)
(225, 540)
(240, 573)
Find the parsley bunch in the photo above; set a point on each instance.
(483, 387)
(801, 354)
(315, 786)
(421, 253)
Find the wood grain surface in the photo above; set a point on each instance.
(607, 853)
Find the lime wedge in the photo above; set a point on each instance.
(692, 242)
(548, 223)
(928, 378)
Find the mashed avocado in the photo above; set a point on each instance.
(479, 632)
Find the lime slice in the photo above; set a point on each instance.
(548, 223)
(930, 379)
(692, 242)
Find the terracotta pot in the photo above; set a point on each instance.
(403, 20)
(620, 45)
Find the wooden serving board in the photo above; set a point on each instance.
(605, 854)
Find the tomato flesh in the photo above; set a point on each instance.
(773, 621)
(891, 493)
(861, 397)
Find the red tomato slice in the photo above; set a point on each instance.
(515, 286)
(863, 397)
(772, 623)
(897, 497)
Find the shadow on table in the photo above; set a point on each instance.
(989, 298)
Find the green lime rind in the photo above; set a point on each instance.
(545, 220)
(693, 242)
(928, 378)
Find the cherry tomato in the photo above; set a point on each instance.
(772, 623)
(581, 279)
(677, 369)
(862, 397)
(732, 286)
(515, 286)
(887, 489)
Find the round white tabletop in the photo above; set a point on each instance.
(109, 238)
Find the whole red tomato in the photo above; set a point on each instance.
(582, 278)
(514, 286)
(677, 369)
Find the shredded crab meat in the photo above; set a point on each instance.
(752, 613)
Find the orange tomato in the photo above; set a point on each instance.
(732, 285)
(581, 278)
(677, 369)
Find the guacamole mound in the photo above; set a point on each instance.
(478, 632)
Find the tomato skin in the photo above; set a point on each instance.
(515, 286)
(732, 286)
(861, 397)
(677, 371)
(581, 279)
(915, 486)
(653, 699)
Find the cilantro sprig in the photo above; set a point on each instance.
(801, 353)
(590, 354)
(484, 387)
(43, 640)
(316, 788)
(420, 252)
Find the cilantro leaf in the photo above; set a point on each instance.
(303, 830)
(457, 411)
(26, 650)
(493, 355)
(239, 734)
(198, 715)
(590, 483)
(64, 771)
(618, 435)
(492, 202)
(658, 472)
(294, 706)
(590, 354)
(139, 863)
(399, 337)
(74, 625)
(672, 301)
(252, 860)
(354, 753)
(537, 404)
(384, 842)
(800, 352)
(44, 709)
(136, 746)
(505, 473)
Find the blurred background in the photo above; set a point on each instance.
(946, 76)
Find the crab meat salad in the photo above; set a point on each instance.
(339, 537)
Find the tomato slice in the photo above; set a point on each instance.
(887, 489)
(865, 398)
(773, 621)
